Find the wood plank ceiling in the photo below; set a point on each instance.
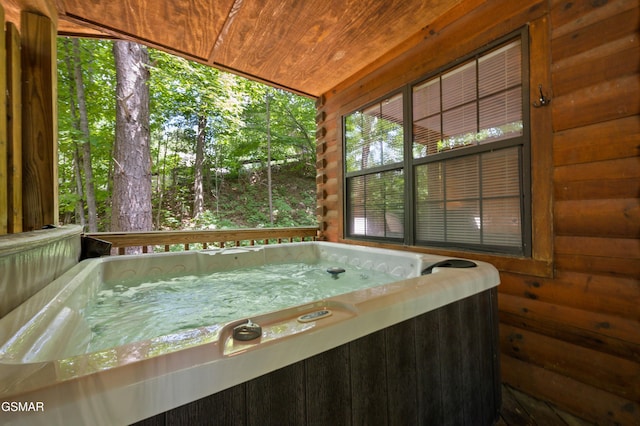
(307, 46)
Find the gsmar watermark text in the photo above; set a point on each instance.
(21, 406)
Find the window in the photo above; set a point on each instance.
(374, 155)
(464, 170)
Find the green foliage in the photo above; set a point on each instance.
(209, 220)
(243, 202)
(235, 142)
(99, 79)
(292, 128)
(67, 201)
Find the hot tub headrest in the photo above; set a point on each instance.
(449, 263)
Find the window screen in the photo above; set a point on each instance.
(374, 146)
(479, 101)
(375, 136)
(470, 198)
(376, 204)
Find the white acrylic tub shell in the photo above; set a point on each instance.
(42, 341)
(31, 260)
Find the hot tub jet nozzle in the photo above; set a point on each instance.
(248, 331)
(335, 271)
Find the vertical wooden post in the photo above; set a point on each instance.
(4, 167)
(542, 139)
(39, 132)
(14, 129)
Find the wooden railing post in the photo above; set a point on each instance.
(14, 126)
(39, 135)
(4, 149)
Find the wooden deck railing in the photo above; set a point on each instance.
(154, 241)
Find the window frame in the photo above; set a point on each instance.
(409, 164)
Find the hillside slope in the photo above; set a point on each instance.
(243, 202)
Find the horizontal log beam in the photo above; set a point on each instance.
(609, 333)
(608, 218)
(585, 144)
(603, 371)
(605, 294)
(574, 396)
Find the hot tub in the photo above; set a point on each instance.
(403, 350)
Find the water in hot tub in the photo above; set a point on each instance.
(133, 310)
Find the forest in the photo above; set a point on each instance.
(206, 149)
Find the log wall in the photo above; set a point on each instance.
(575, 339)
(570, 316)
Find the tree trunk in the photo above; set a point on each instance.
(131, 209)
(79, 210)
(86, 145)
(366, 146)
(268, 113)
(80, 218)
(162, 180)
(198, 191)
